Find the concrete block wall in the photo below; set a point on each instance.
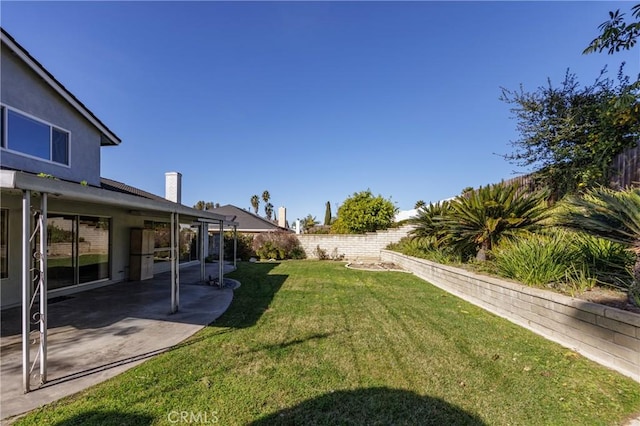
(607, 335)
(354, 247)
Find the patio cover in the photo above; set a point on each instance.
(26, 183)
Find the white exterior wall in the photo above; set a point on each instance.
(354, 247)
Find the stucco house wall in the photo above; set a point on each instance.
(121, 223)
(23, 90)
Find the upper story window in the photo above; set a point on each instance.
(33, 137)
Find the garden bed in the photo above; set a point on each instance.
(609, 297)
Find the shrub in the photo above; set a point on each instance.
(269, 250)
(320, 253)
(318, 229)
(608, 262)
(276, 245)
(297, 253)
(244, 249)
(425, 248)
(538, 260)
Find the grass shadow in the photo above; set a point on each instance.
(254, 296)
(372, 406)
(106, 418)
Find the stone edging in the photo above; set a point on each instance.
(607, 335)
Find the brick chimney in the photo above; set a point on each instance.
(282, 217)
(173, 187)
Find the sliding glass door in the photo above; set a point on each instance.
(61, 251)
(78, 249)
(93, 249)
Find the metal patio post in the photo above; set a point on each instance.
(26, 288)
(173, 264)
(235, 245)
(221, 256)
(203, 239)
(177, 262)
(43, 288)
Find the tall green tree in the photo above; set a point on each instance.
(255, 203)
(327, 214)
(616, 33)
(484, 216)
(612, 215)
(364, 212)
(569, 135)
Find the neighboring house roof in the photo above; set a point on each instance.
(406, 214)
(247, 221)
(107, 136)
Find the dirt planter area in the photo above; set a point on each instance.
(377, 266)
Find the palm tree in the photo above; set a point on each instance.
(266, 196)
(255, 203)
(419, 204)
(429, 229)
(612, 215)
(202, 205)
(268, 210)
(484, 216)
(308, 222)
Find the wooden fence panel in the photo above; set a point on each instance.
(626, 168)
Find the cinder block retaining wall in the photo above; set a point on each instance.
(606, 335)
(354, 247)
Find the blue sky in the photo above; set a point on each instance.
(312, 101)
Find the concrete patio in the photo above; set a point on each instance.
(99, 333)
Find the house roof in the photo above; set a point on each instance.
(247, 221)
(107, 136)
(111, 193)
(114, 185)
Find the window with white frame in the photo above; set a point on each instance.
(33, 137)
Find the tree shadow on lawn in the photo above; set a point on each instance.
(372, 406)
(107, 418)
(253, 297)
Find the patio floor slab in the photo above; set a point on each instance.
(99, 333)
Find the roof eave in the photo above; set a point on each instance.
(107, 136)
(10, 179)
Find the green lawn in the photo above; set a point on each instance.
(310, 342)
